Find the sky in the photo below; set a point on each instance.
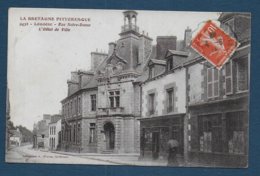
(40, 62)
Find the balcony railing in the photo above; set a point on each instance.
(110, 110)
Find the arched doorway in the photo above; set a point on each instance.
(109, 130)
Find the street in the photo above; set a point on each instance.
(26, 154)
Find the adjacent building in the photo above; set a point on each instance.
(218, 101)
(101, 110)
(41, 132)
(15, 137)
(164, 98)
(55, 132)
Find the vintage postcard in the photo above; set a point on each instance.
(128, 87)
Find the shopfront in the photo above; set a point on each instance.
(156, 132)
(219, 133)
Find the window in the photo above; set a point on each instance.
(151, 104)
(92, 132)
(210, 133)
(70, 136)
(114, 98)
(71, 108)
(78, 133)
(228, 77)
(212, 82)
(235, 132)
(67, 109)
(75, 106)
(151, 72)
(93, 102)
(242, 74)
(68, 106)
(74, 133)
(170, 62)
(170, 100)
(79, 105)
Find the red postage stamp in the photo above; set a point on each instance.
(214, 44)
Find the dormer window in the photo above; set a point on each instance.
(228, 27)
(170, 64)
(151, 72)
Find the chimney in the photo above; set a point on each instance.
(111, 48)
(96, 59)
(187, 37)
(165, 43)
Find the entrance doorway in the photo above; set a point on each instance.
(155, 144)
(109, 130)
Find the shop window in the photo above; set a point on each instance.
(212, 82)
(93, 102)
(170, 100)
(242, 74)
(210, 133)
(151, 104)
(147, 139)
(92, 129)
(164, 137)
(114, 98)
(235, 132)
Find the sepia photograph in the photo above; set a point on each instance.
(128, 87)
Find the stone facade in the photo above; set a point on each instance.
(111, 126)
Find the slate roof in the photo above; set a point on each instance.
(92, 83)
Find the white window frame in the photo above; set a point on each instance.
(114, 98)
(231, 77)
(212, 82)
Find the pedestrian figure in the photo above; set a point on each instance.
(172, 152)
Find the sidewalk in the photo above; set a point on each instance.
(120, 158)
